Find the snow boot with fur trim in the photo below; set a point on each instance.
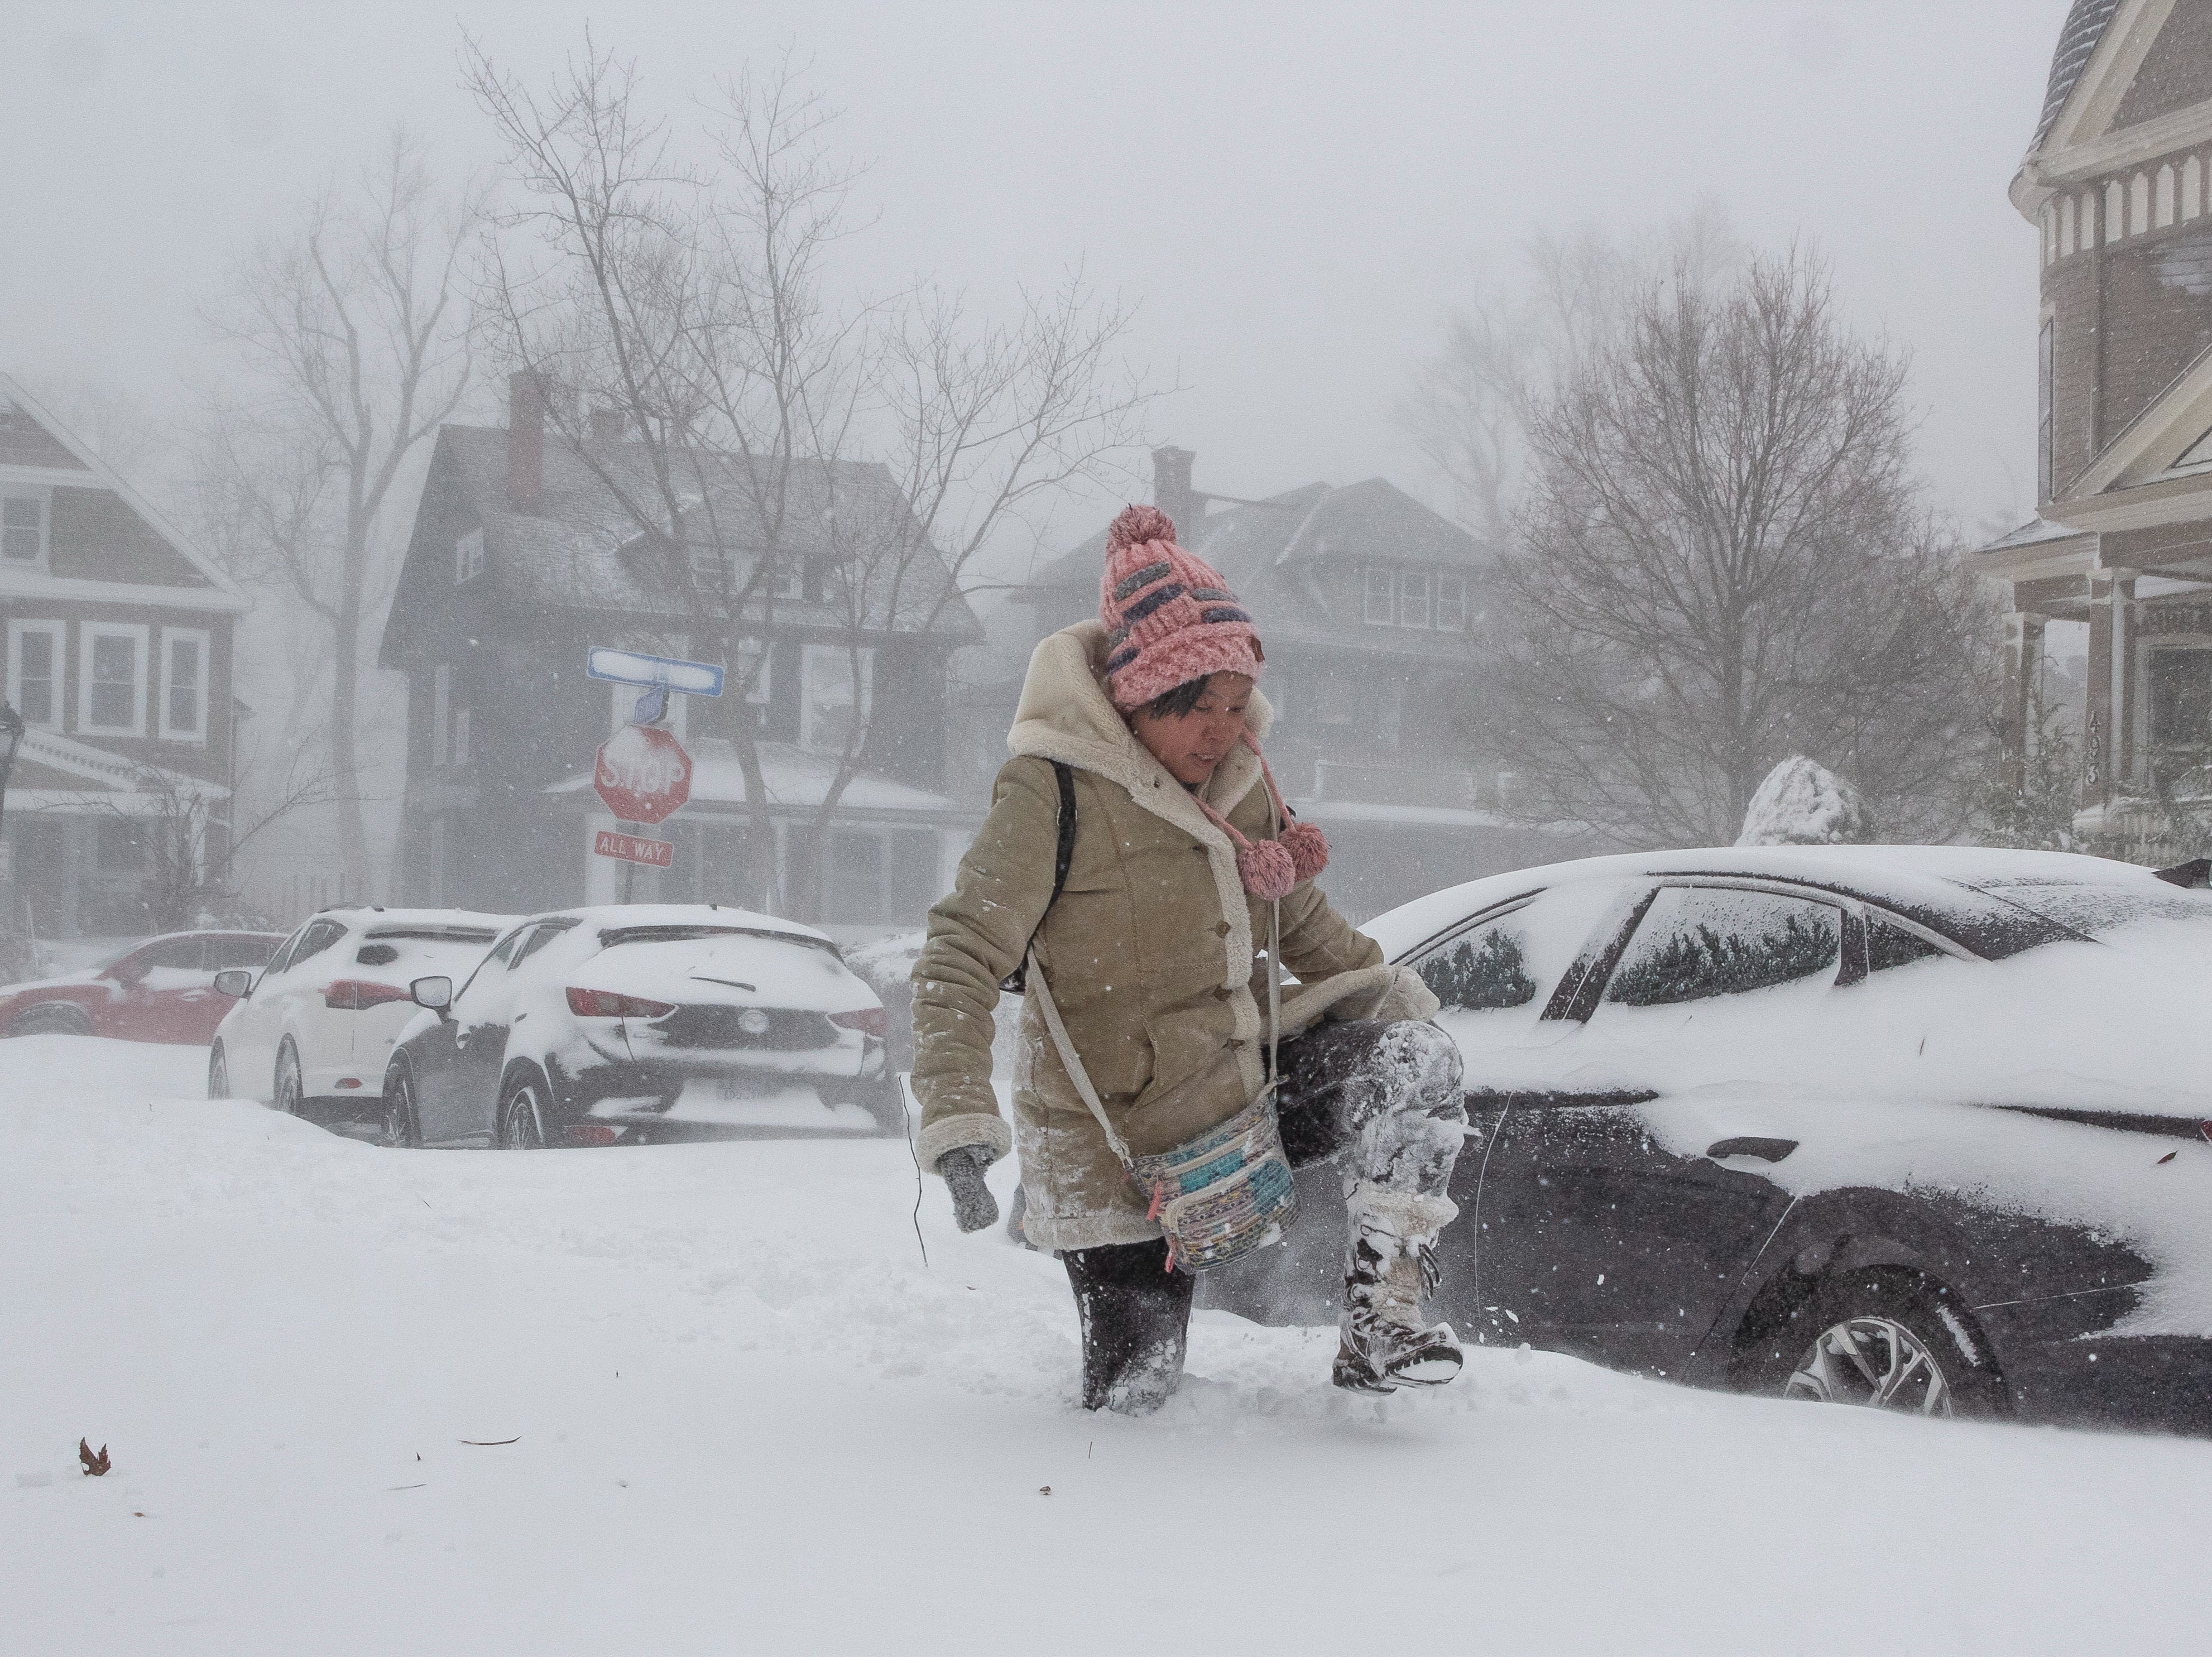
(1390, 1263)
(1136, 1321)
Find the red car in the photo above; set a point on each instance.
(162, 990)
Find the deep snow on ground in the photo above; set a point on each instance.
(748, 1419)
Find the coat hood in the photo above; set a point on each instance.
(1066, 715)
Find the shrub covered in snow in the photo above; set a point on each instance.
(1802, 803)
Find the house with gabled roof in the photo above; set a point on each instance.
(528, 548)
(1372, 608)
(118, 635)
(2118, 182)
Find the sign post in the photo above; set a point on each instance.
(641, 772)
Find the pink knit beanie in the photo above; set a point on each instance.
(1169, 617)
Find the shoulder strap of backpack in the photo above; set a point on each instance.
(1016, 981)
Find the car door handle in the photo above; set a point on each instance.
(1768, 1150)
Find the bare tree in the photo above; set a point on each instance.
(1506, 348)
(787, 444)
(189, 842)
(1723, 559)
(351, 347)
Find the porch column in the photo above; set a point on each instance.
(2023, 660)
(2097, 716)
(2124, 780)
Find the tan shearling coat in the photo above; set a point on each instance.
(1149, 954)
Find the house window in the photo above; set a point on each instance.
(2045, 367)
(2163, 212)
(1378, 596)
(461, 736)
(2180, 698)
(112, 700)
(2115, 208)
(1412, 599)
(468, 557)
(1451, 604)
(23, 528)
(2065, 227)
(34, 673)
(2048, 219)
(853, 878)
(184, 684)
(2139, 204)
(832, 702)
(2192, 188)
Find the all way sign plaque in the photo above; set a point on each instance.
(630, 848)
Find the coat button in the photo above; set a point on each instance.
(1221, 930)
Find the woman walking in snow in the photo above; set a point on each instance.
(1148, 723)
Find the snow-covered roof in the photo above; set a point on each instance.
(1265, 550)
(582, 548)
(793, 777)
(2077, 43)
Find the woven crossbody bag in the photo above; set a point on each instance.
(1226, 1191)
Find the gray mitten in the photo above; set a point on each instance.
(973, 1205)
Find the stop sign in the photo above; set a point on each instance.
(642, 774)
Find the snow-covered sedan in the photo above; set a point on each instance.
(636, 1022)
(1916, 1127)
(318, 1024)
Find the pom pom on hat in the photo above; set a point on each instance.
(1266, 869)
(1308, 848)
(1134, 526)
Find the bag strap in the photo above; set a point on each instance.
(1034, 982)
(1063, 854)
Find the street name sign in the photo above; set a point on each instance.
(634, 667)
(630, 848)
(642, 774)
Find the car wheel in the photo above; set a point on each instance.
(522, 1114)
(52, 1018)
(402, 1128)
(1888, 1339)
(290, 1091)
(218, 1073)
(885, 1101)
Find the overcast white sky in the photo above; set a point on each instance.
(1295, 194)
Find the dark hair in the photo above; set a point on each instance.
(1174, 704)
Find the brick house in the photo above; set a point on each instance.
(1370, 605)
(118, 637)
(2117, 182)
(521, 556)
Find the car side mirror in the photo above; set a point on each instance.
(129, 973)
(435, 993)
(235, 982)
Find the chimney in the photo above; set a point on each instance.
(526, 441)
(608, 425)
(1173, 495)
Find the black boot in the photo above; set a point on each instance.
(1136, 1321)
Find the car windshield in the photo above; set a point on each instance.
(616, 936)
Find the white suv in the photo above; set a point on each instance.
(319, 1021)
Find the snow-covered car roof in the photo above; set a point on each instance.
(628, 917)
(1997, 901)
(463, 925)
